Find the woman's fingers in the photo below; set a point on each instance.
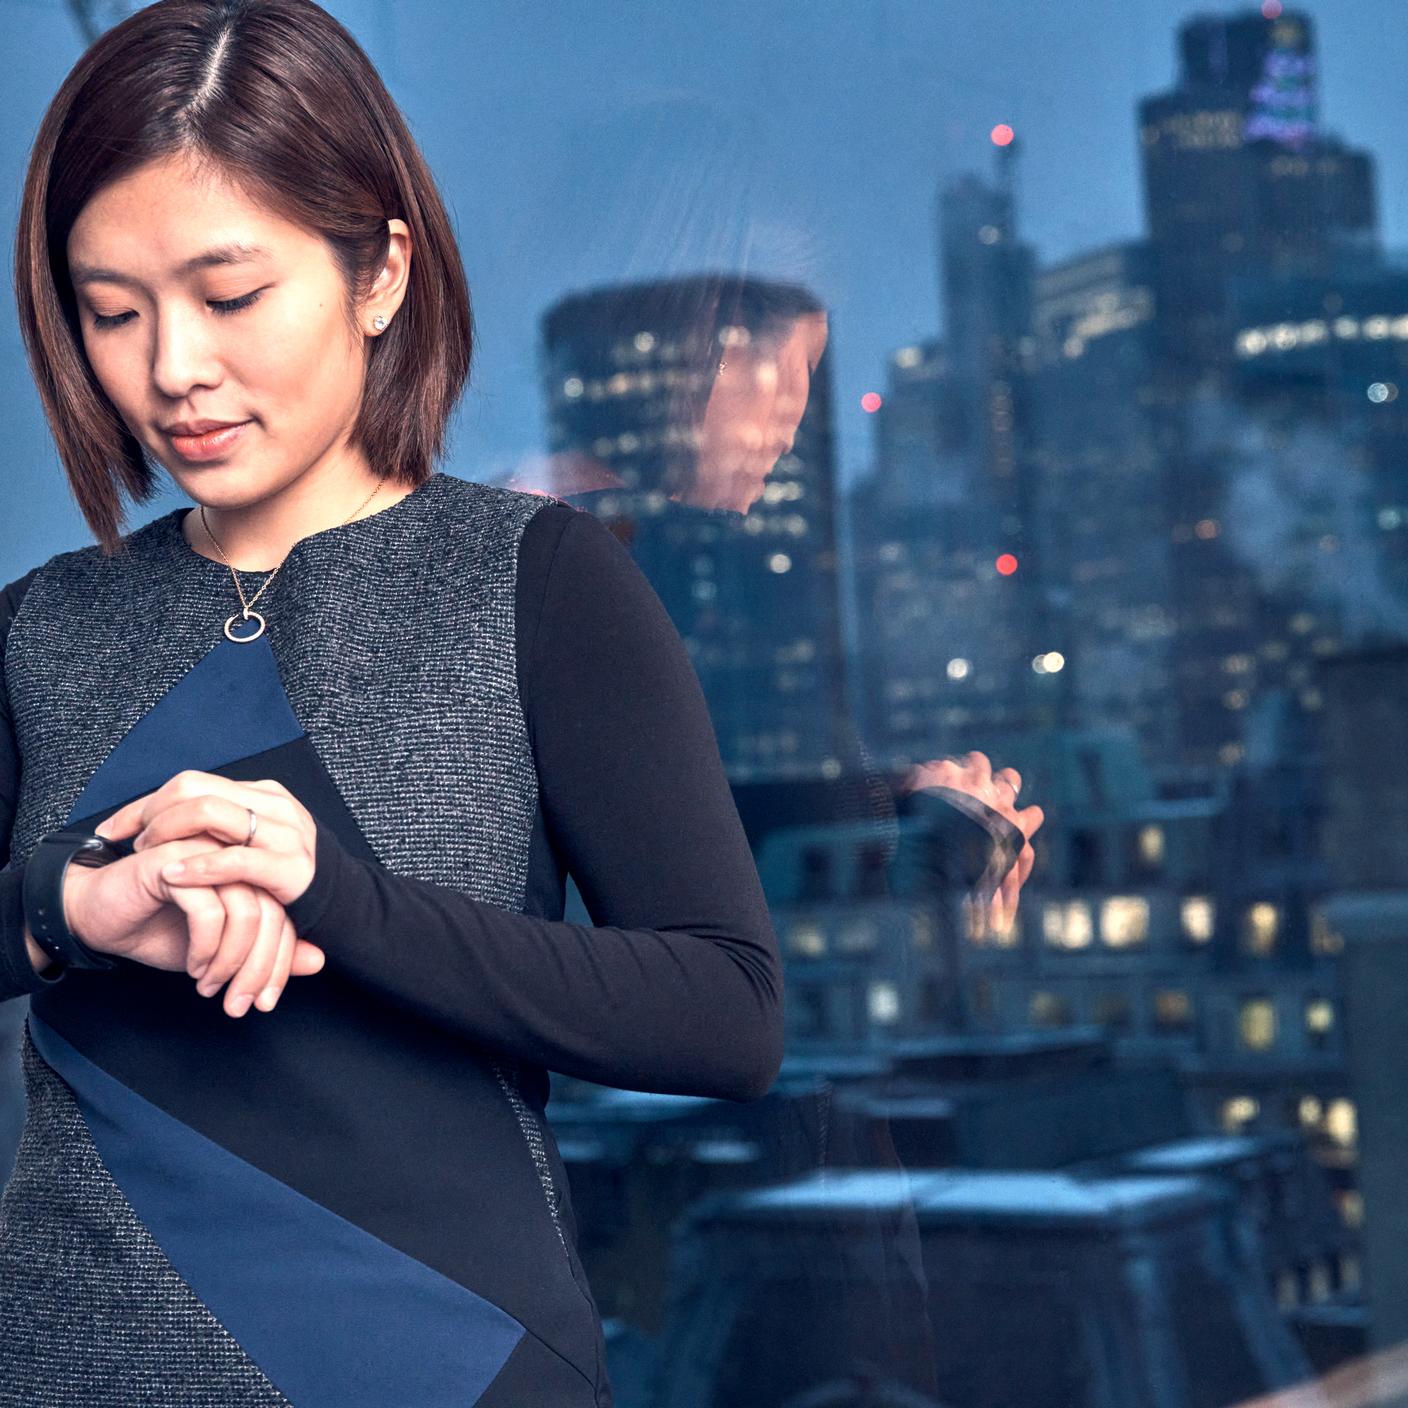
(268, 798)
(255, 972)
(285, 875)
(223, 818)
(308, 959)
(205, 921)
(275, 983)
(242, 919)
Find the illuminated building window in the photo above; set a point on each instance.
(806, 940)
(1318, 1283)
(1351, 1205)
(1199, 915)
(1124, 920)
(1152, 846)
(1319, 1016)
(1342, 1123)
(1260, 925)
(1049, 1009)
(1258, 1023)
(1173, 1009)
(1067, 925)
(1310, 1111)
(1113, 1010)
(1287, 1290)
(1230, 754)
(1238, 1112)
(883, 1002)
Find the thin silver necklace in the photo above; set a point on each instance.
(249, 613)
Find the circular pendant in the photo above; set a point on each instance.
(248, 616)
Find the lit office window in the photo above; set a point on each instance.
(883, 1001)
(1342, 1123)
(1124, 920)
(1311, 1112)
(1238, 1112)
(1068, 924)
(1319, 1016)
(1260, 925)
(807, 941)
(1199, 914)
(1152, 846)
(1258, 1023)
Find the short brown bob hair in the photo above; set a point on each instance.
(278, 97)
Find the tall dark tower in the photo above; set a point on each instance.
(627, 372)
(1239, 180)
(986, 274)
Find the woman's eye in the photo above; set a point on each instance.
(221, 306)
(233, 305)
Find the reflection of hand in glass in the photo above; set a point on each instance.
(973, 774)
(754, 408)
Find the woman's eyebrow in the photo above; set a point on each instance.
(220, 254)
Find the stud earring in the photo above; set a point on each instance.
(378, 322)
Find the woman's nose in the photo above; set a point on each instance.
(183, 356)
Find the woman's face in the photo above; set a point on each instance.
(754, 409)
(255, 334)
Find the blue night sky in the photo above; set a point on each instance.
(578, 145)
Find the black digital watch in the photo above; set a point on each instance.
(44, 874)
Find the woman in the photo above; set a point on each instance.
(379, 712)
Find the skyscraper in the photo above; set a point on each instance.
(1102, 500)
(1240, 179)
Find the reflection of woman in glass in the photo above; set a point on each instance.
(376, 713)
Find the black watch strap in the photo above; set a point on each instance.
(44, 873)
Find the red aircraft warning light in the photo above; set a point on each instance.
(1003, 135)
(871, 402)
(1007, 564)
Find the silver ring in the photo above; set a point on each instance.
(1009, 782)
(253, 822)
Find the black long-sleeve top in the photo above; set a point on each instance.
(636, 809)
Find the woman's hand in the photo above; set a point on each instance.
(126, 909)
(238, 929)
(973, 774)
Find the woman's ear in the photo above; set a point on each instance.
(388, 289)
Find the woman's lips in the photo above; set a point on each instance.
(209, 446)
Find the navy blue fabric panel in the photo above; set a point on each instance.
(231, 704)
(334, 1317)
(340, 1125)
